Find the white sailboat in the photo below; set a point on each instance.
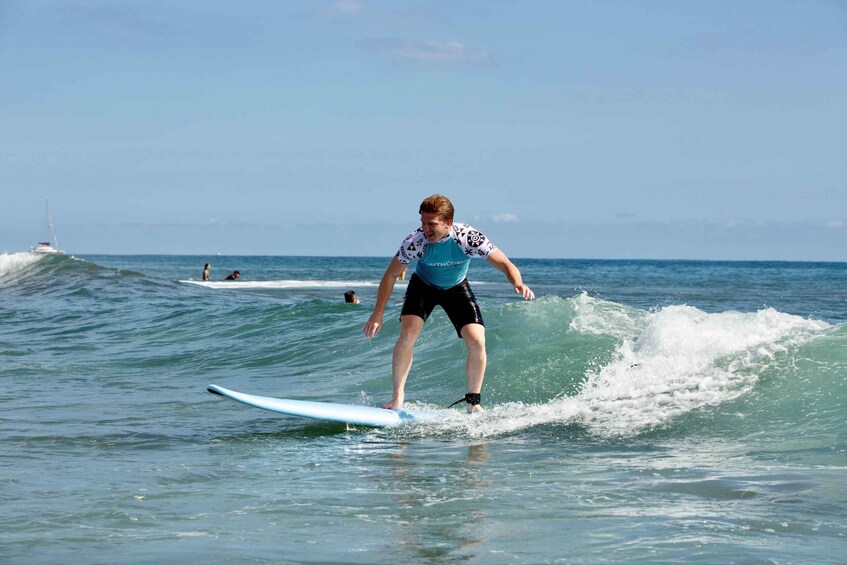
(45, 246)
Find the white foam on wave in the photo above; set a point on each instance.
(685, 360)
(668, 363)
(293, 283)
(601, 317)
(243, 285)
(13, 262)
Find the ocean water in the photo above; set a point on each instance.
(638, 411)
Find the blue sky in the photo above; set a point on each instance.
(584, 129)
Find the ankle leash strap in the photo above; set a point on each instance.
(471, 398)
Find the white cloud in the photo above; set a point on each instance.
(345, 7)
(834, 224)
(507, 217)
(432, 52)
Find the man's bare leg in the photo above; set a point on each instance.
(474, 336)
(401, 359)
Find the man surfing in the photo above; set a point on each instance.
(444, 251)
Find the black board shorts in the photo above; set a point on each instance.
(458, 302)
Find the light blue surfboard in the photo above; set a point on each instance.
(346, 413)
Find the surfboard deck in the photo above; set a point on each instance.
(329, 411)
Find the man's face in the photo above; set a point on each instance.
(434, 228)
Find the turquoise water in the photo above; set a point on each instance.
(637, 411)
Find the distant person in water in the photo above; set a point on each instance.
(233, 277)
(206, 275)
(350, 297)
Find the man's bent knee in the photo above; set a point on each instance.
(474, 335)
(410, 327)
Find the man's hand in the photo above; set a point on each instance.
(372, 326)
(525, 291)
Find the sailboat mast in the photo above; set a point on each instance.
(50, 226)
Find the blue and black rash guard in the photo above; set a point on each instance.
(444, 264)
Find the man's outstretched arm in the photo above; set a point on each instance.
(386, 287)
(499, 261)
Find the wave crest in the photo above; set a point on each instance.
(668, 363)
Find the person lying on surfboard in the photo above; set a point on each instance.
(444, 251)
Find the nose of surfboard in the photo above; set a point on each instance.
(347, 413)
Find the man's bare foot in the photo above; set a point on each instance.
(394, 404)
(475, 408)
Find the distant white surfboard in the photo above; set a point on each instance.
(346, 413)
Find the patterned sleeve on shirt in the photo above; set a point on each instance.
(472, 241)
(412, 247)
